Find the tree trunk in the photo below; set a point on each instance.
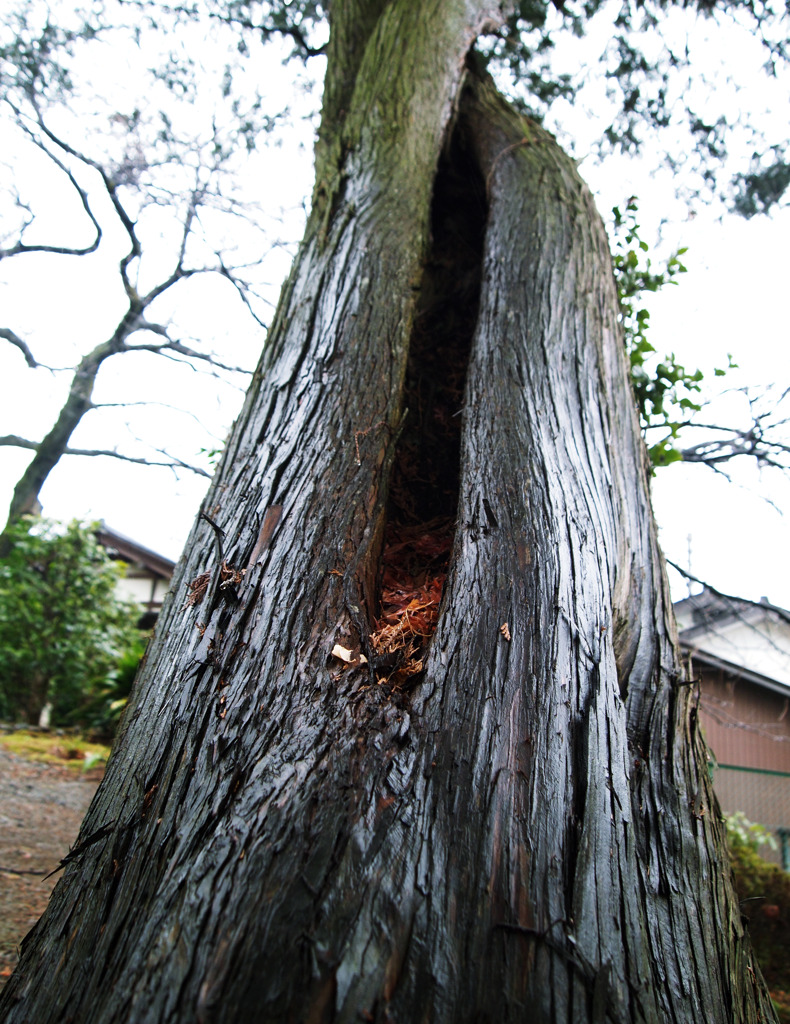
(513, 822)
(25, 499)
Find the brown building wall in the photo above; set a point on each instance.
(745, 724)
(747, 728)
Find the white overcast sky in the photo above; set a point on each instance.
(732, 300)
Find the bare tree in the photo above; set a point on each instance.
(146, 172)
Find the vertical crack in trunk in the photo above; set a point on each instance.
(423, 494)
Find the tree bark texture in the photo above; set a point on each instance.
(527, 831)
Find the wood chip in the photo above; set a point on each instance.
(344, 654)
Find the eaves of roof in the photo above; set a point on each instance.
(131, 551)
(729, 667)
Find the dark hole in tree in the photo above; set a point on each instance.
(423, 496)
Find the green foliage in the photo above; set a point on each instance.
(764, 893)
(101, 710)
(647, 78)
(212, 456)
(666, 392)
(35, 50)
(764, 186)
(743, 834)
(65, 638)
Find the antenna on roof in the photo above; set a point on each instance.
(688, 559)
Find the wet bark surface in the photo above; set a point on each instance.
(525, 831)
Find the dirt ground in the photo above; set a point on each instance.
(41, 807)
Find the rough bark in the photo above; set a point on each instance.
(524, 832)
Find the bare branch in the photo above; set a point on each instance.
(762, 435)
(262, 28)
(242, 290)
(14, 441)
(158, 405)
(145, 325)
(781, 612)
(179, 274)
(189, 353)
(172, 463)
(180, 349)
(22, 247)
(203, 190)
(195, 199)
(21, 345)
(752, 442)
(111, 188)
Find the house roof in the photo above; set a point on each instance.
(745, 638)
(130, 551)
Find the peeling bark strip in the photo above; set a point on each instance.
(270, 522)
(512, 839)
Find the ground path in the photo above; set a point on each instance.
(41, 807)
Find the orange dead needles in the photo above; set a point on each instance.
(413, 574)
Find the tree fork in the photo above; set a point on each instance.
(529, 832)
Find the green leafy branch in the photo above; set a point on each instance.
(666, 392)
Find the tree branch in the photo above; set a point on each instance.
(111, 189)
(115, 183)
(189, 353)
(159, 405)
(14, 441)
(781, 612)
(712, 452)
(9, 335)
(22, 247)
(765, 438)
(172, 463)
(266, 30)
(242, 290)
(752, 442)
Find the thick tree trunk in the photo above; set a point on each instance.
(522, 830)
(25, 499)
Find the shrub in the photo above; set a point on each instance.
(764, 892)
(65, 638)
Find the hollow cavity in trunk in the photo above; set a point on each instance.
(423, 493)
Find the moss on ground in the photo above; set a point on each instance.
(69, 749)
